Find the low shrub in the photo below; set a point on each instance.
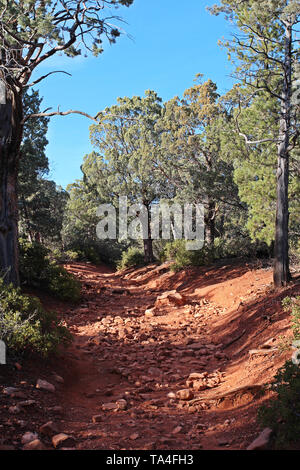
(62, 284)
(282, 414)
(133, 257)
(240, 247)
(176, 251)
(38, 271)
(292, 305)
(26, 326)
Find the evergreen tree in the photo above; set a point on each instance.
(267, 55)
(32, 31)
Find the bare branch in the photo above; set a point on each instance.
(45, 76)
(58, 113)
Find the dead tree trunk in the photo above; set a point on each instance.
(11, 115)
(281, 273)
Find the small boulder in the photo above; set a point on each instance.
(44, 385)
(262, 441)
(185, 394)
(62, 440)
(49, 429)
(170, 298)
(97, 418)
(28, 437)
(34, 445)
(109, 406)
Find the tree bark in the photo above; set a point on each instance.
(148, 242)
(281, 272)
(211, 224)
(11, 115)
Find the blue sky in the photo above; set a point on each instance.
(173, 40)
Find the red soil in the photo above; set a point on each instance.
(120, 353)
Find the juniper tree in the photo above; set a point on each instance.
(191, 152)
(32, 31)
(128, 144)
(267, 52)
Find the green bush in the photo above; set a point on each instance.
(292, 305)
(38, 271)
(62, 284)
(133, 257)
(240, 247)
(71, 255)
(176, 251)
(282, 414)
(34, 262)
(26, 326)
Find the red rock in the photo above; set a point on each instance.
(28, 437)
(170, 297)
(60, 440)
(262, 441)
(49, 429)
(44, 385)
(34, 445)
(97, 418)
(185, 394)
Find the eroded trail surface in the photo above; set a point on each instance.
(186, 374)
(160, 360)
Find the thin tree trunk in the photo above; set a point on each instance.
(211, 224)
(281, 273)
(11, 110)
(27, 220)
(148, 242)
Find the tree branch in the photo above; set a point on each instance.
(58, 113)
(45, 76)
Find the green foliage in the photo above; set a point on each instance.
(223, 248)
(26, 326)
(292, 305)
(80, 221)
(240, 247)
(282, 414)
(41, 202)
(133, 257)
(176, 251)
(37, 270)
(71, 255)
(62, 284)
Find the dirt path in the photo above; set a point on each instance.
(186, 375)
(123, 372)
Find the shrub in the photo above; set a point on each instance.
(26, 326)
(292, 305)
(33, 263)
(240, 247)
(131, 257)
(176, 251)
(38, 271)
(71, 255)
(282, 414)
(62, 284)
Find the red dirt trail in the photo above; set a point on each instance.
(121, 353)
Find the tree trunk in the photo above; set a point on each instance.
(281, 273)
(148, 242)
(11, 114)
(211, 224)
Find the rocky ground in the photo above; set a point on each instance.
(160, 360)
